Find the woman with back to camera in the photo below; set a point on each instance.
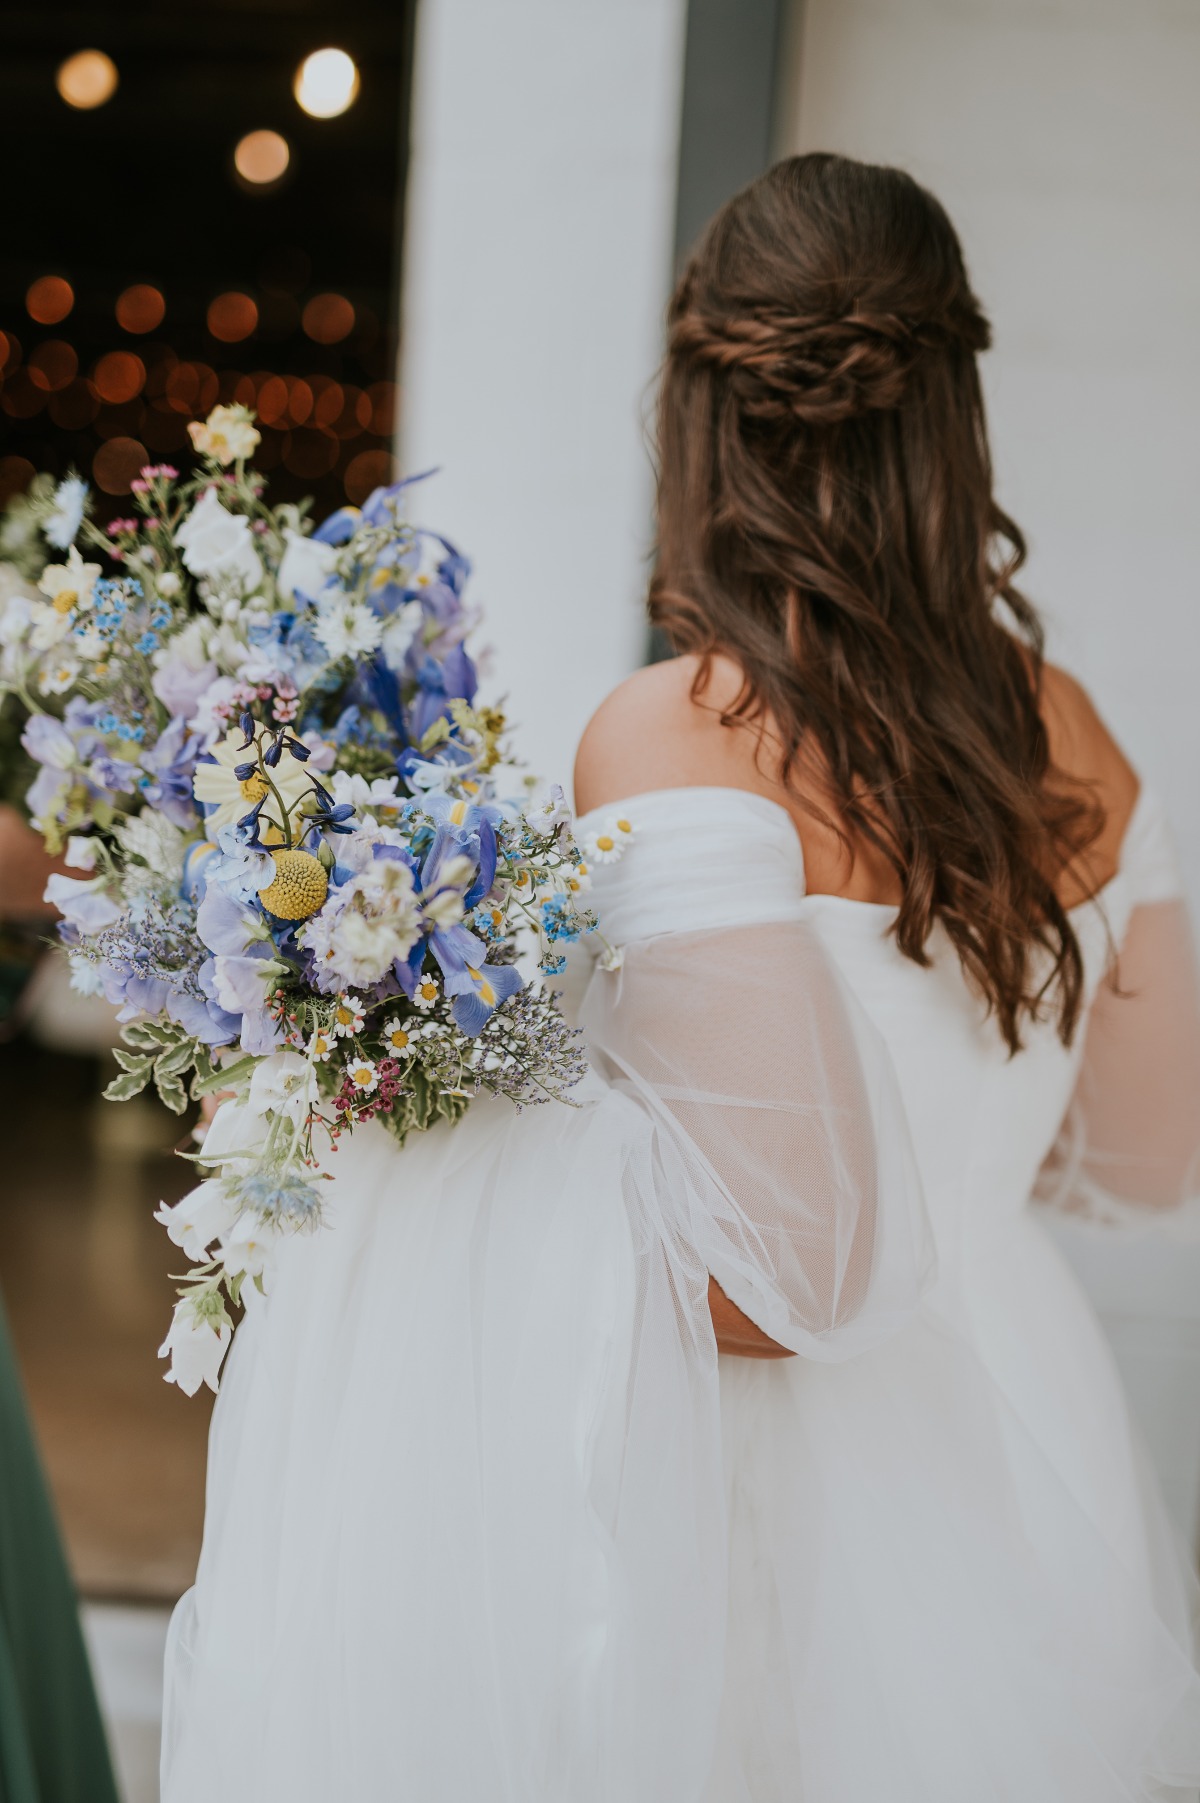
(903, 943)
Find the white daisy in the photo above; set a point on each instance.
(320, 1046)
(426, 993)
(606, 846)
(69, 585)
(348, 1016)
(363, 1075)
(399, 1039)
(56, 676)
(234, 797)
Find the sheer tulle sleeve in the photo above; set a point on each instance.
(1130, 1142)
(778, 1105)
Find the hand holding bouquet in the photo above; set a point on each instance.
(261, 749)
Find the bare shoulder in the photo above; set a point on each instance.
(1083, 749)
(655, 732)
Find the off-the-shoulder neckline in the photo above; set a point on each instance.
(628, 803)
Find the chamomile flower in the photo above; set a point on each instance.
(426, 992)
(320, 1046)
(399, 1039)
(348, 1016)
(579, 880)
(57, 675)
(363, 1075)
(612, 957)
(606, 846)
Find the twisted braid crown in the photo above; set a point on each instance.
(786, 367)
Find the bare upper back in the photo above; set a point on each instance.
(651, 733)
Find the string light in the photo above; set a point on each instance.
(326, 83)
(87, 79)
(261, 158)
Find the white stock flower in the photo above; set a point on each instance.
(377, 921)
(348, 629)
(305, 566)
(195, 1347)
(219, 544)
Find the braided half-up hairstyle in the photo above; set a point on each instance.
(826, 520)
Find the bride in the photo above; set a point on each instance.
(738, 1435)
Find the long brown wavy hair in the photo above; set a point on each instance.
(826, 519)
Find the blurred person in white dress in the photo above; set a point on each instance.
(738, 1435)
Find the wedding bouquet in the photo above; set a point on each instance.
(260, 747)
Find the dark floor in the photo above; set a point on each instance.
(85, 1275)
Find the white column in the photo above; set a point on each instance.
(1064, 140)
(536, 268)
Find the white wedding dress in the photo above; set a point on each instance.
(488, 1520)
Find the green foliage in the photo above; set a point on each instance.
(165, 1054)
(422, 1106)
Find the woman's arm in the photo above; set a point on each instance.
(736, 1333)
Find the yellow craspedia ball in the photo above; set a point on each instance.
(298, 888)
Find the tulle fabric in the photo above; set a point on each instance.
(489, 1519)
(1129, 1150)
(467, 1530)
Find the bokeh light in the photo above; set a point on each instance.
(261, 158)
(119, 376)
(53, 365)
(326, 83)
(328, 318)
(369, 470)
(272, 400)
(140, 308)
(232, 317)
(49, 299)
(381, 400)
(87, 79)
(117, 463)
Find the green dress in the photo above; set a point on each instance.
(52, 1745)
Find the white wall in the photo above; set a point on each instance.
(1064, 138)
(537, 261)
